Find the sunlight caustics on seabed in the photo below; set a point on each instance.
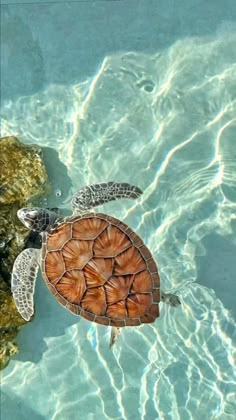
(167, 123)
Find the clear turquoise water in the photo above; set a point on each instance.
(146, 95)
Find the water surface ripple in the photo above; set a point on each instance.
(167, 123)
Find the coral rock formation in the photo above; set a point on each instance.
(23, 178)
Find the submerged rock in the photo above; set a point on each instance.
(23, 174)
(23, 179)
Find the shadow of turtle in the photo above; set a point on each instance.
(50, 320)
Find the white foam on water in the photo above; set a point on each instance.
(166, 123)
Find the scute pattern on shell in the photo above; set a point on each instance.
(97, 267)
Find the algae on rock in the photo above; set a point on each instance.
(23, 178)
(23, 174)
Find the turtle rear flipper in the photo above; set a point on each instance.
(170, 299)
(95, 194)
(23, 280)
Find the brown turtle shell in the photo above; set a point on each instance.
(97, 267)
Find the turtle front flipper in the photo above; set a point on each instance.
(115, 332)
(95, 194)
(23, 280)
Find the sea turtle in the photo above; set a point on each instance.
(94, 264)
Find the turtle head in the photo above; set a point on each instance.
(37, 219)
